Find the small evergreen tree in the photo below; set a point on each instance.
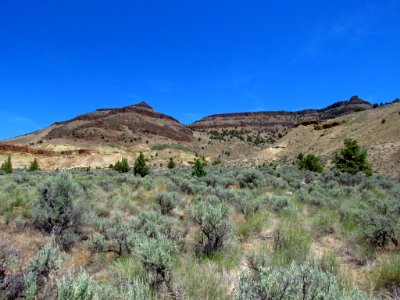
(198, 169)
(7, 165)
(140, 166)
(121, 166)
(34, 166)
(309, 162)
(352, 159)
(171, 163)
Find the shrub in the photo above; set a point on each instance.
(265, 281)
(198, 169)
(309, 162)
(156, 257)
(378, 221)
(8, 257)
(121, 166)
(277, 203)
(140, 167)
(154, 224)
(352, 159)
(154, 243)
(72, 288)
(246, 205)
(211, 216)
(34, 166)
(27, 283)
(6, 167)
(54, 210)
(167, 202)
(115, 232)
(171, 163)
(250, 179)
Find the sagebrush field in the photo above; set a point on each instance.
(268, 232)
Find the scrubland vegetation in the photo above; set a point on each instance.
(208, 232)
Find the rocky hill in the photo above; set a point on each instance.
(119, 125)
(274, 125)
(100, 138)
(377, 130)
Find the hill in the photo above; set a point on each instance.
(121, 125)
(377, 130)
(101, 138)
(272, 125)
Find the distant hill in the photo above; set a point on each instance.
(102, 137)
(118, 125)
(377, 130)
(275, 124)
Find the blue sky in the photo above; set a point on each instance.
(189, 59)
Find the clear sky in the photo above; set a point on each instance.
(189, 59)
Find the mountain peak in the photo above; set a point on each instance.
(143, 105)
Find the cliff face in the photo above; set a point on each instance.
(279, 121)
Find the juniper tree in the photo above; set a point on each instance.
(121, 166)
(309, 162)
(7, 165)
(34, 166)
(352, 159)
(198, 169)
(140, 166)
(171, 163)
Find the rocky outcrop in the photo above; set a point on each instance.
(25, 149)
(279, 120)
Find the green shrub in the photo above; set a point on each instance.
(309, 162)
(250, 179)
(211, 216)
(73, 288)
(54, 210)
(171, 163)
(352, 159)
(8, 258)
(378, 219)
(115, 231)
(277, 203)
(265, 281)
(167, 202)
(6, 167)
(198, 168)
(153, 225)
(121, 166)
(28, 282)
(34, 166)
(140, 167)
(156, 257)
(246, 205)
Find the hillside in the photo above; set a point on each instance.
(377, 130)
(101, 138)
(122, 125)
(272, 125)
